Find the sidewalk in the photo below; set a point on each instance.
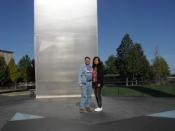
(64, 112)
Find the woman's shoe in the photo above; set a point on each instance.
(98, 109)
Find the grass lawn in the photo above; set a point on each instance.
(123, 91)
(120, 91)
(164, 88)
(23, 93)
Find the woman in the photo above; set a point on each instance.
(97, 76)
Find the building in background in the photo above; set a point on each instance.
(7, 55)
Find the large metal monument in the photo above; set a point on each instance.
(65, 32)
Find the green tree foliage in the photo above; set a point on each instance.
(110, 65)
(137, 66)
(160, 68)
(24, 66)
(3, 71)
(122, 54)
(14, 73)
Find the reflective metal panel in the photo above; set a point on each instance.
(65, 32)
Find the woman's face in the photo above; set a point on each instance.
(96, 61)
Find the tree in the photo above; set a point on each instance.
(3, 71)
(122, 55)
(110, 65)
(144, 68)
(24, 66)
(14, 73)
(160, 68)
(138, 65)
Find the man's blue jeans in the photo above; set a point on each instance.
(86, 92)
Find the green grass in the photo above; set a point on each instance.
(164, 88)
(23, 93)
(123, 91)
(120, 91)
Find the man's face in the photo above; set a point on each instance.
(87, 61)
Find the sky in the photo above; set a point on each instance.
(148, 22)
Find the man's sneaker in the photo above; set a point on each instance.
(98, 109)
(88, 109)
(83, 110)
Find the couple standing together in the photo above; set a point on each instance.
(91, 78)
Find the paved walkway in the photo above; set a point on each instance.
(63, 112)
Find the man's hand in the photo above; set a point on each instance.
(98, 85)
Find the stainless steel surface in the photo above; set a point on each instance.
(65, 32)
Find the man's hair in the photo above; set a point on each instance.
(87, 57)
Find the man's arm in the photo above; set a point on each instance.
(80, 76)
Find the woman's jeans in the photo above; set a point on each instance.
(97, 92)
(86, 92)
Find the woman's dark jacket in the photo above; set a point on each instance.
(100, 74)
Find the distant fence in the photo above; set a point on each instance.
(20, 85)
(117, 86)
(116, 80)
(171, 80)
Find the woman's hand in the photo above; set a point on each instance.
(98, 85)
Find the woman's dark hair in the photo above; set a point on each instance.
(99, 64)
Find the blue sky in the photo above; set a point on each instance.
(16, 27)
(149, 22)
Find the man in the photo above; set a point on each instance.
(85, 81)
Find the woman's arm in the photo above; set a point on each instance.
(100, 75)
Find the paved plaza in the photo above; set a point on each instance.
(120, 113)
